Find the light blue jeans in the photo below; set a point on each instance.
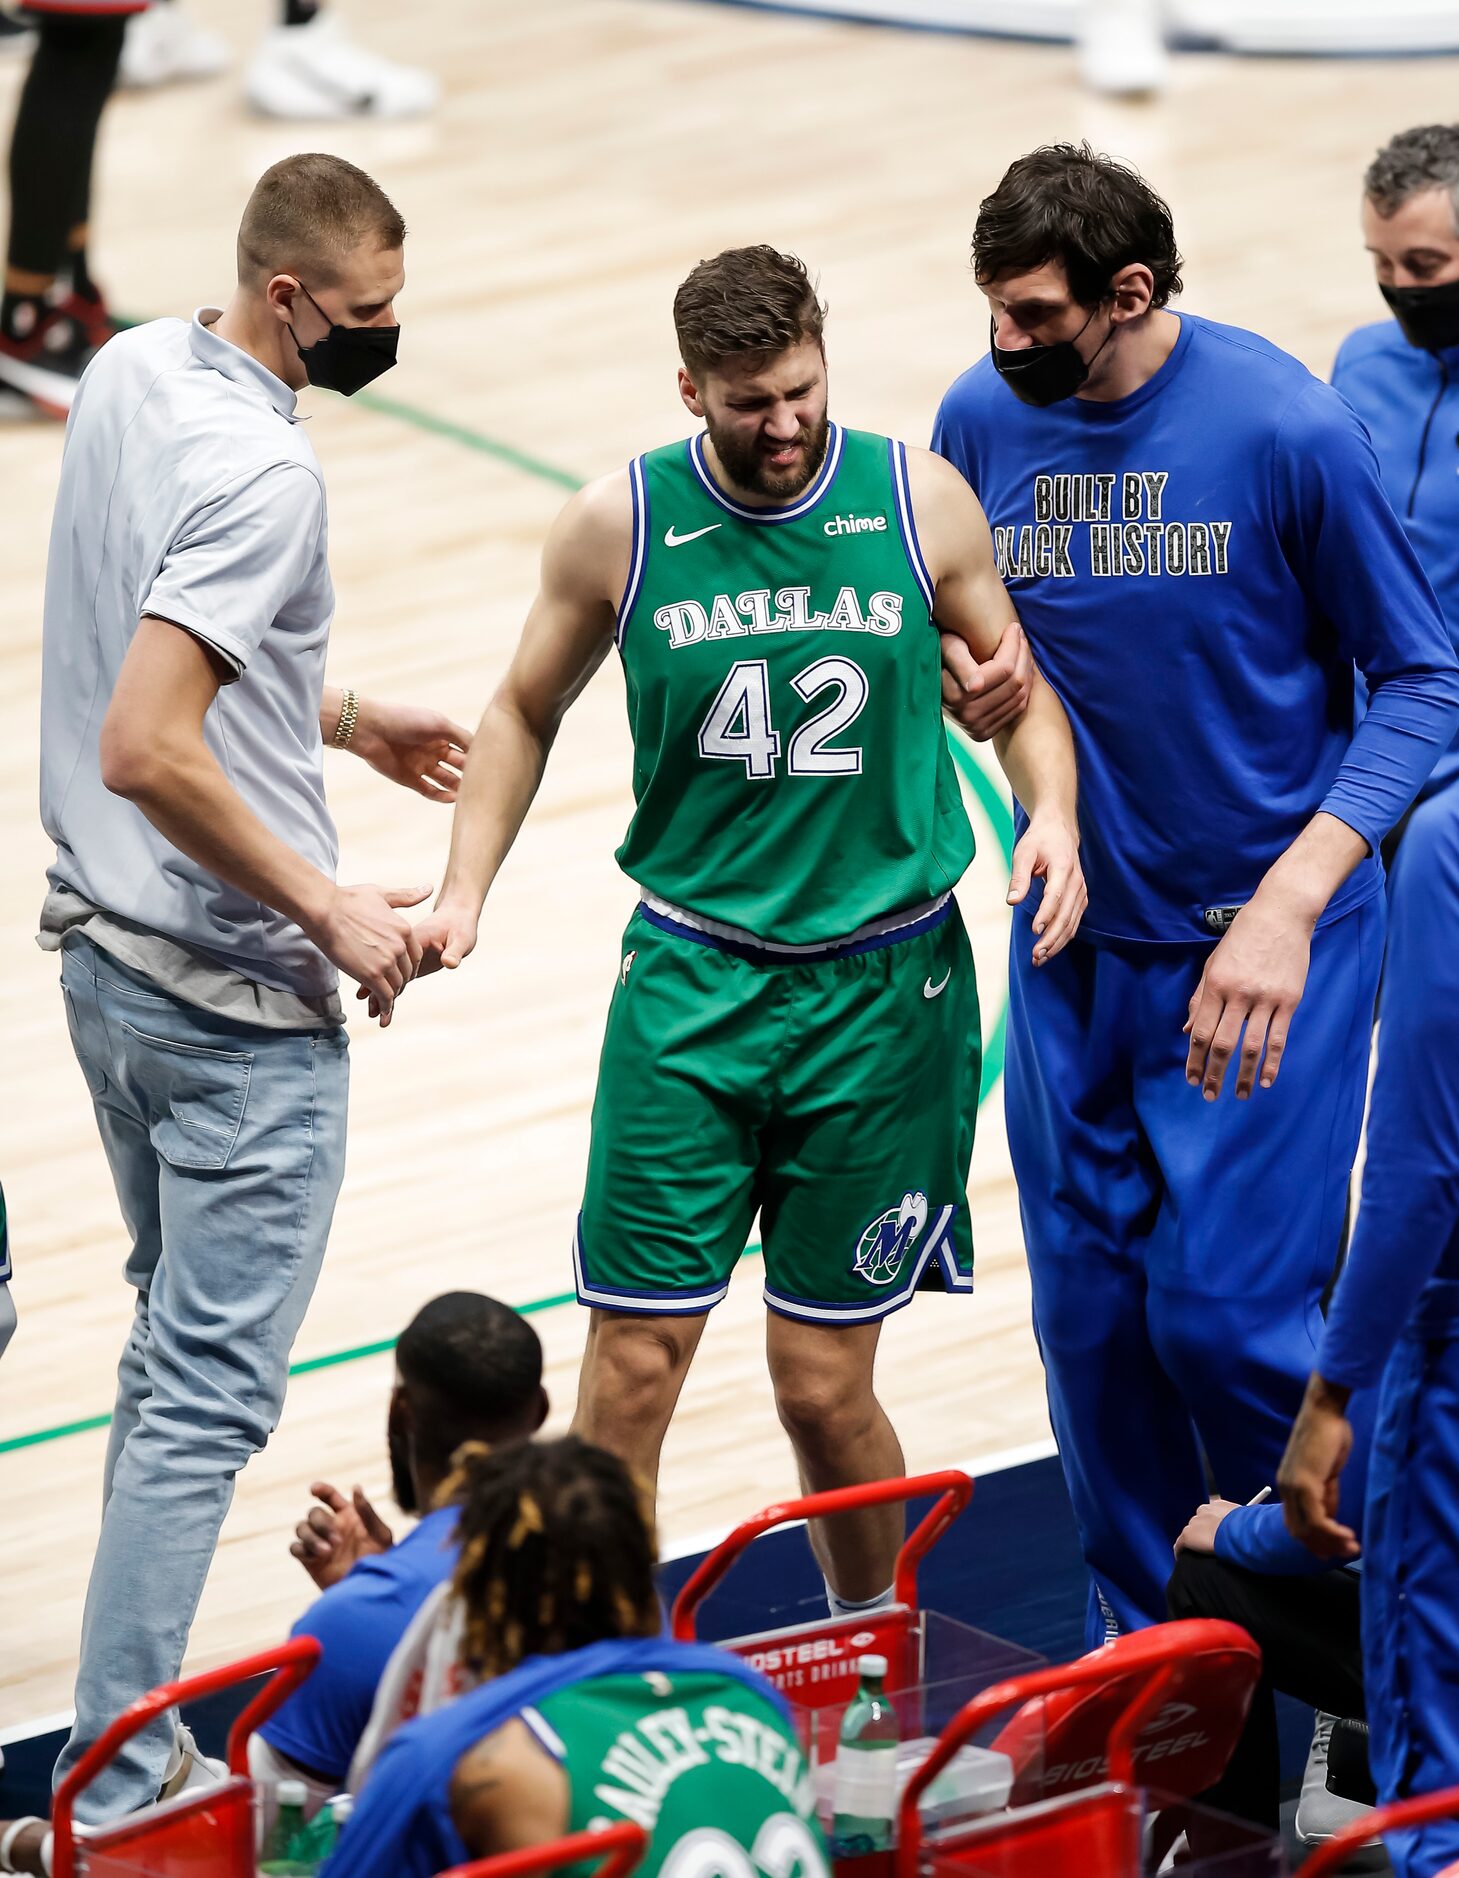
(226, 1145)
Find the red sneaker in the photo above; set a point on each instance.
(90, 313)
(46, 364)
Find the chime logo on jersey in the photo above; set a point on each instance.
(882, 1249)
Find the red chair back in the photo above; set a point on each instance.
(168, 1843)
(620, 1847)
(817, 1660)
(1207, 1675)
(953, 1488)
(1146, 1681)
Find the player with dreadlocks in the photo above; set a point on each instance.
(585, 1715)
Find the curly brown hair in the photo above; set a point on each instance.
(1065, 202)
(557, 1551)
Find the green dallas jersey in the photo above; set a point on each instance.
(706, 1765)
(790, 768)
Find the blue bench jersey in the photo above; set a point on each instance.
(1256, 1537)
(1409, 401)
(402, 1826)
(358, 1623)
(1199, 566)
(1407, 1233)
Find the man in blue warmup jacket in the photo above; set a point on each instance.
(1194, 533)
(1240, 1564)
(1401, 375)
(1395, 1315)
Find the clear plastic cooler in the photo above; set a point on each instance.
(1108, 1831)
(1079, 1739)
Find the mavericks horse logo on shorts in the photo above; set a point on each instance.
(882, 1249)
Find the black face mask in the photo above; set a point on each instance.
(1429, 316)
(347, 358)
(1044, 375)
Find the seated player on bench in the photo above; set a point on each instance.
(584, 1714)
(467, 1369)
(1240, 1563)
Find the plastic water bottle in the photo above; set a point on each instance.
(318, 1839)
(865, 1801)
(281, 1855)
(335, 1817)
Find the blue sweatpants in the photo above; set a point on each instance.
(1411, 1577)
(1178, 1248)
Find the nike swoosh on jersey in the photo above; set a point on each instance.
(671, 540)
(929, 990)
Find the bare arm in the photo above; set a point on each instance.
(409, 744)
(1254, 980)
(1037, 749)
(1310, 1475)
(154, 753)
(507, 1793)
(568, 632)
(986, 696)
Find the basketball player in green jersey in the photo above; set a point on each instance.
(583, 1714)
(795, 1025)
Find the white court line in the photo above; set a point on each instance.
(996, 1463)
(42, 1725)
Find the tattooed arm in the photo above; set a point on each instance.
(507, 1792)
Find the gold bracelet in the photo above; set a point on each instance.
(349, 712)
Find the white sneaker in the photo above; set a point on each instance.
(1320, 1814)
(188, 1768)
(164, 46)
(17, 36)
(317, 71)
(1121, 47)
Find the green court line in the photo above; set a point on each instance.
(993, 807)
(997, 811)
(58, 1433)
(433, 426)
(463, 434)
(989, 800)
(303, 1368)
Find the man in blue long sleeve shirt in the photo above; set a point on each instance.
(1395, 1315)
(1401, 375)
(1194, 533)
(1240, 1564)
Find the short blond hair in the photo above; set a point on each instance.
(307, 213)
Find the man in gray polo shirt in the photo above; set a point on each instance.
(193, 898)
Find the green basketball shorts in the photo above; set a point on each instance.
(835, 1093)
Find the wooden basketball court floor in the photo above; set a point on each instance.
(587, 153)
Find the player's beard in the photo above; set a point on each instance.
(402, 1476)
(748, 465)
